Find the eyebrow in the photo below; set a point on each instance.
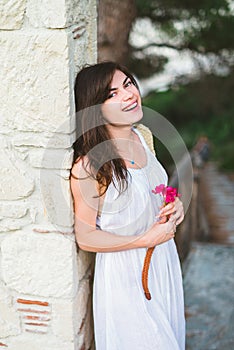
(122, 84)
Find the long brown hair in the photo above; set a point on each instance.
(92, 86)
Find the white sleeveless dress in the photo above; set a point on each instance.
(123, 318)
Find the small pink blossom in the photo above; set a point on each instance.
(159, 189)
(169, 193)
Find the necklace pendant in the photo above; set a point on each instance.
(132, 162)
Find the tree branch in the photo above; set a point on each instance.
(188, 46)
(170, 46)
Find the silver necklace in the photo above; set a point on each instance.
(132, 149)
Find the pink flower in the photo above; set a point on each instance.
(169, 193)
(159, 189)
(169, 198)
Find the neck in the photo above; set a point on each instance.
(123, 137)
(120, 131)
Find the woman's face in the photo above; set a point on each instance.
(123, 105)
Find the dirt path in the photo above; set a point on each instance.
(209, 269)
(218, 197)
(209, 297)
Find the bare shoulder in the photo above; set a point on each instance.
(85, 194)
(80, 169)
(82, 181)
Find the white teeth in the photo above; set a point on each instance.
(131, 107)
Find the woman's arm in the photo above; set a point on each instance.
(86, 204)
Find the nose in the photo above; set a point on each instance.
(127, 95)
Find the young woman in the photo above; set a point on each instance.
(118, 217)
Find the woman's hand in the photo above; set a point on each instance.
(158, 233)
(174, 211)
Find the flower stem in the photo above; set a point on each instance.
(145, 272)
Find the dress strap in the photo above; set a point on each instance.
(147, 136)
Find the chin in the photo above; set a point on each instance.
(138, 116)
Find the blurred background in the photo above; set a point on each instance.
(181, 52)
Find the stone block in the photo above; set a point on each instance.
(5, 296)
(86, 43)
(15, 181)
(88, 325)
(59, 13)
(38, 342)
(85, 263)
(14, 216)
(39, 98)
(51, 159)
(49, 14)
(7, 225)
(3, 141)
(45, 140)
(12, 14)
(41, 265)
(81, 304)
(80, 341)
(12, 210)
(62, 325)
(9, 321)
(56, 196)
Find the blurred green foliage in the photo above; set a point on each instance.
(205, 107)
(143, 66)
(208, 24)
(200, 26)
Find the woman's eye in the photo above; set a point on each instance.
(128, 83)
(111, 95)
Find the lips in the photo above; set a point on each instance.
(130, 107)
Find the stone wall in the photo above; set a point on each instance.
(45, 284)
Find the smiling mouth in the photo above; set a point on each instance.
(131, 107)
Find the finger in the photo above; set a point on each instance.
(175, 217)
(170, 235)
(180, 220)
(162, 220)
(179, 206)
(168, 209)
(172, 218)
(179, 212)
(170, 227)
